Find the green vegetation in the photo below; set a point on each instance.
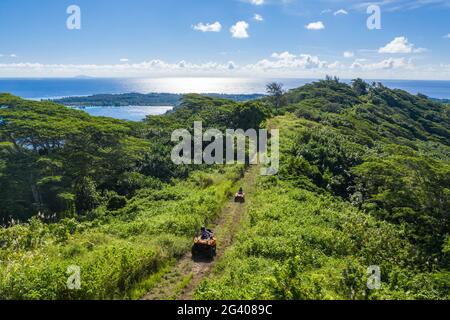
(303, 242)
(446, 101)
(138, 99)
(364, 180)
(117, 248)
(102, 194)
(125, 99)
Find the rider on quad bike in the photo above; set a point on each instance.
(240, 196)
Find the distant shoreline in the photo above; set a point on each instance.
(69, 88)
(84, 108)
(142, 100)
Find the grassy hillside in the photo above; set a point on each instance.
(384, 150)
(103, 195)
(364, 180)
(117, 249)
(302, 241)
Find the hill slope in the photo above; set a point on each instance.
(364, 180)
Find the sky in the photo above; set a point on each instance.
(225, 38)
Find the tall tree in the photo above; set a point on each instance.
(275, 90)
(359, 86)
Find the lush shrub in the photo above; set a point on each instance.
(114, 252)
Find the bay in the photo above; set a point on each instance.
(131, 113)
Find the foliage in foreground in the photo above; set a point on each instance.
(101, 194)
(297, 244)
(116, 250)
(303, 240)
(364, 180)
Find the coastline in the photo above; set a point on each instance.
(58, 88)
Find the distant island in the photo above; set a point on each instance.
(139, 99)
(445, 101)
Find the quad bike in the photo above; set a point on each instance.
(239, 197)
(204, 247)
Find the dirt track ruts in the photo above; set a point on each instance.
(182, 281)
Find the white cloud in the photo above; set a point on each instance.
(349, 54)
(398, 45)
(278, 64)
(12, 55)
(239, 30)
(400, 5)
(287, 62)
(283, 55)
(257, 2)
(208, 27)
(315, 26)
(146, 67)
(447, 36)
(341, 12)
(258, 17)
(282, 63)
(391, 63)
(335, 65)
(401, 45)
(420, 50)
(124, 60)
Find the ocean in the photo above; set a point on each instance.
(38, 89)
(57, 88)
(131, 113)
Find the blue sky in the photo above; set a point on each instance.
(232, 38)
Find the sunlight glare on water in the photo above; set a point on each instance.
(199, 85)
(57, 88)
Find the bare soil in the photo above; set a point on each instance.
(182, 281)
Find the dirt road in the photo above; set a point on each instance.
(181, 282)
